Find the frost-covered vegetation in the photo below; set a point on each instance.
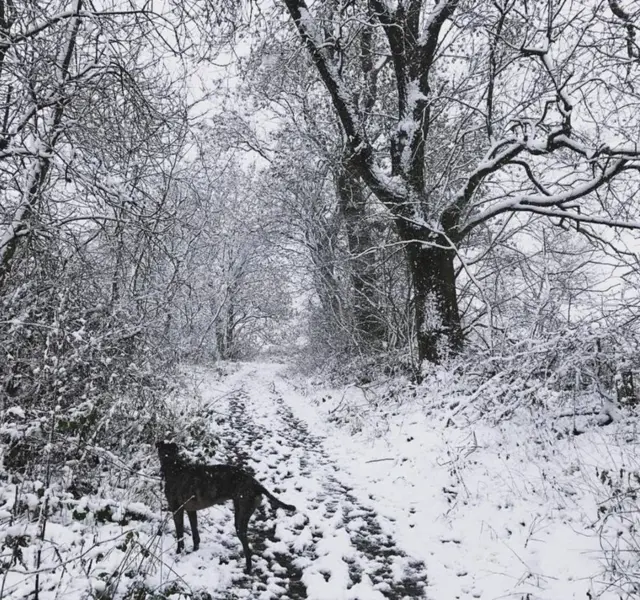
(427, 209)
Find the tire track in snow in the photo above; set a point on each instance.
(344, 545)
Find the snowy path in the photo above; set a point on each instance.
(334, 547)
(390, 503)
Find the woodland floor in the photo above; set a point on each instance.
(396, 498)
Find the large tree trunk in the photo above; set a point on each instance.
(321, 238)
(437, 318)
(363, 274)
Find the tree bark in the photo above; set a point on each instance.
(437, 318)
(369, 325)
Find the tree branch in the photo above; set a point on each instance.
(359, 149)
(543, 203)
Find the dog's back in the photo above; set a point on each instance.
(196, 487)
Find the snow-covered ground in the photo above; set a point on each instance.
(392, 503)
(509, 511)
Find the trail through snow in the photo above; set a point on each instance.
(392, 504)
(334, 547)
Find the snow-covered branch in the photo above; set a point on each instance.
(573, 215)
(533, 202)
(358, 147)
(38, 28)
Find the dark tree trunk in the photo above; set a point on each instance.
(437, 318)
(321, 238)
(363, 275)
(625, 388)
(326, 282)
(224, 336)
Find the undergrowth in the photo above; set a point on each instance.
(81, 501)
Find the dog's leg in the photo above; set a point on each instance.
(193, 521)
(178, 519)
(244, 508)
(236, 519)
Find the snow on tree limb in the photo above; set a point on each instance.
(359, 148)
(534, 202)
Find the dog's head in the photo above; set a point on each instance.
(167, 450)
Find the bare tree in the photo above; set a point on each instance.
(93, 126)
(481, 110)
(79, 113)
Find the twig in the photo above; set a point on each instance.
(44, 507)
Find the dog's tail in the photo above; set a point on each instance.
(275, 502)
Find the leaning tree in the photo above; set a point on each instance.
(457, 113)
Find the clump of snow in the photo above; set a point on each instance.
(16, 411)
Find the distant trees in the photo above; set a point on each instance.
(460, 115)
(333, 232)
(230, 283)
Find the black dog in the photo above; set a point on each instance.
(192, 487)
